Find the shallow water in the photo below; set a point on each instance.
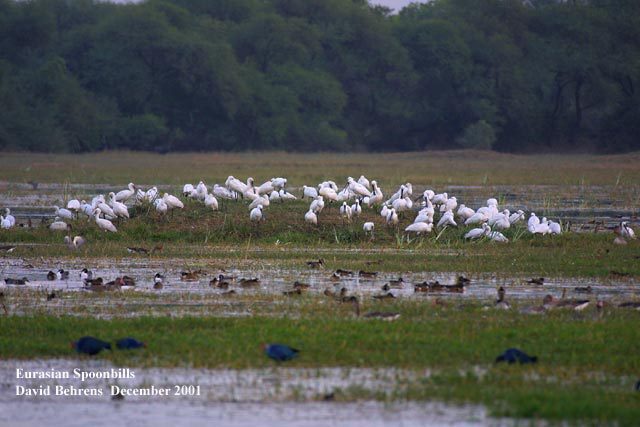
(310, 414)
(198, 298)
(276, 396)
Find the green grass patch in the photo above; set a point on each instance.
(201, 235)
(586, 371)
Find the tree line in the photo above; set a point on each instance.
(319, 75)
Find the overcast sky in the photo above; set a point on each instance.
(396, 4)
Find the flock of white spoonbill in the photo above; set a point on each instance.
(352, 198)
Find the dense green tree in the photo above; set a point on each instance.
(511, 75)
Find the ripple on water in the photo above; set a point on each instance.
(229, 397)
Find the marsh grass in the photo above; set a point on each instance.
(429, 167)
(586, 369)
(201, 234)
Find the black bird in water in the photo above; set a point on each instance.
(90, 345)
(10, 281)
(514, 355)
(129, 344)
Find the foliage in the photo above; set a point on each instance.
(318, 75)
(479, 135)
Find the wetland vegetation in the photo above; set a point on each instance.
(586, 371)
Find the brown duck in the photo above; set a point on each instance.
(387, 295)
(189, 276)
(388, 316)
(367, 274)
(315, 264)
(300, 285)
(249, 282)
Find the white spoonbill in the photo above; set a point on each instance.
(173, 202)
(9, 217)
(104, 224)
(279, 183)
(465, 212)
(151, 194)
(364, 181)
(541, 228)
(309, 192)
(402, 204)
(256, 214)
(376, 194)
(554, 227)
(345, 211)
(384, 211)
(516, 216)
(260, 201)
(5, 223)
(120, 209)
(533, 222)
(161, 206)
(58, 225)
(311, 217)
(497, 236)
(328, 193)
(408, 189)
(447, 219)
(106, 209)
(429, 209)
(250, 190)
(345, 194)
(419, 227)
(224, 193)
(233, 183)
(285, 195)
(124, 195)
(358, 188)
(428, 195)
(201, 192)
(476, 233)
(368, 227)
(392, 217)
(397, 195)
(73, 205)
(187, 190)
(86, 209)
(424, 216)
(440, 199)
(623, 230)
(317, 205)
(266, 188)
(500, 221)
(210, 201)
(356, 209)
(63, 213)
(476, 218)
(450, 205)
(74, 243)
